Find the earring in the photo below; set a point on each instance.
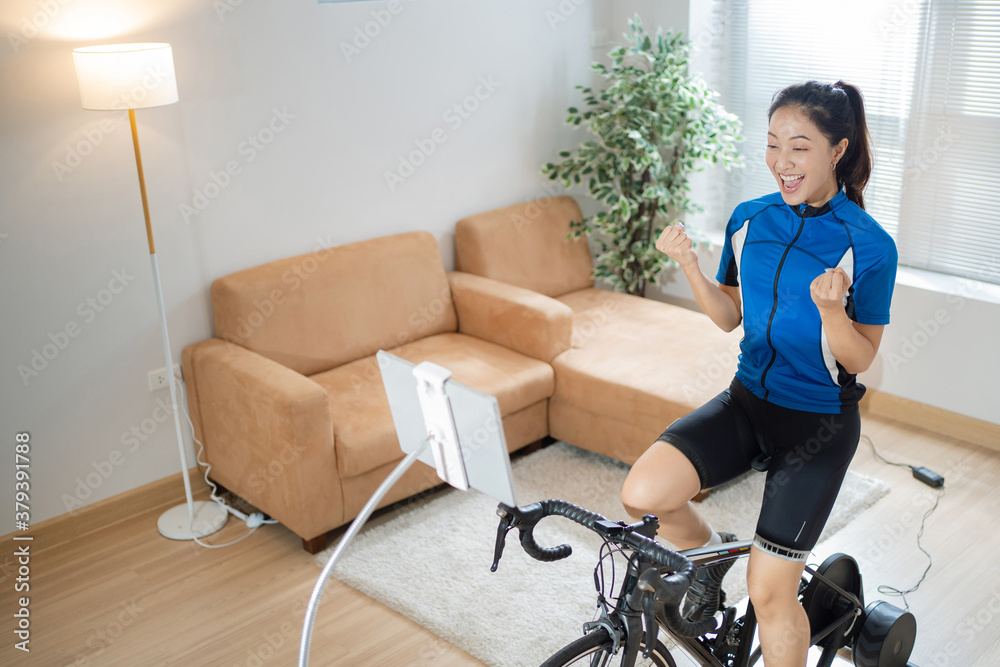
(833, 166)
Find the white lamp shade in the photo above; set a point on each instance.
(125, 76)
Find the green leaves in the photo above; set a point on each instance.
(653, 125)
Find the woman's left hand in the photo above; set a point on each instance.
(829, 288)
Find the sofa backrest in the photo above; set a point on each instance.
(320, 310)
(526, 245)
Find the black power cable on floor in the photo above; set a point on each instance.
(932, 479)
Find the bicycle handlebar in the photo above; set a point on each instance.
(668, 590)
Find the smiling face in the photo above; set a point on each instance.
(800, 157)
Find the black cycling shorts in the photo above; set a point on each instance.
(809, 451)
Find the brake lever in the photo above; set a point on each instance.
(506, 522)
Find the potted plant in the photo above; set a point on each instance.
(654, 125)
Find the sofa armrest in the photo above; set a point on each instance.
(520, 319)
(268, 434)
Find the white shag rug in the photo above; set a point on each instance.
(431, 561)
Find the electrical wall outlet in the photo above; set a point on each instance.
(158, 379)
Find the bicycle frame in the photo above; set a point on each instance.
(745, 626)
(646, 602)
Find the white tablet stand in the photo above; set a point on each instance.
(442, 435)
(467, 447)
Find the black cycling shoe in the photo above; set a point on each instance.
(704, 597)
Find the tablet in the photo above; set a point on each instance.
(468, 448)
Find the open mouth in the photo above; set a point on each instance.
(791, 182)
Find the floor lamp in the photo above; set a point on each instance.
(139, 76)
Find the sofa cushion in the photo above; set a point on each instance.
(364, 434)
(640, 361)
(526, 245)
(326, 308)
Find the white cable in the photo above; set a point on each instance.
(208, 468)
(228, 544)
(891, 590)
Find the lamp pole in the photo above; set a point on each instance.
(137, 76)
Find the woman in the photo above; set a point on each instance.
(810, 276)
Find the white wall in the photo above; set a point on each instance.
(654, 14)
(65, 230)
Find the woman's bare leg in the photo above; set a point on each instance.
(663, 482)
(784, 627)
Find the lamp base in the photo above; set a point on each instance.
(209, 517)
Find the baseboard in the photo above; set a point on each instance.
(64, 528)
(937, 420)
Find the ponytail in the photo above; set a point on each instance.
(855, 168)
(838, 110)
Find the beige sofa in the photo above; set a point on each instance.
(635, 364)
(288, 398)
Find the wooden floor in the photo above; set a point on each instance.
(125, 596)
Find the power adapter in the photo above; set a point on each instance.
(928, 477)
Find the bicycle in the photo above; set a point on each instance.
(654, 584)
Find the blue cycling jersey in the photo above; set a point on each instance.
(773, 252)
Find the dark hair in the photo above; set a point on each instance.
(838, 111)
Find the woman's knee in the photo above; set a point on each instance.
(637, 500)
(773, 583)
(767, 599)
(662, 480)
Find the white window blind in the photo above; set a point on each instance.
(951, 193)
(930, 75)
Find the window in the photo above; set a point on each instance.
(930, 74)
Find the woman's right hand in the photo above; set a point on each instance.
(678, 246)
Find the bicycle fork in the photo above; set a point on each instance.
(634, 615)
(635, 609)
